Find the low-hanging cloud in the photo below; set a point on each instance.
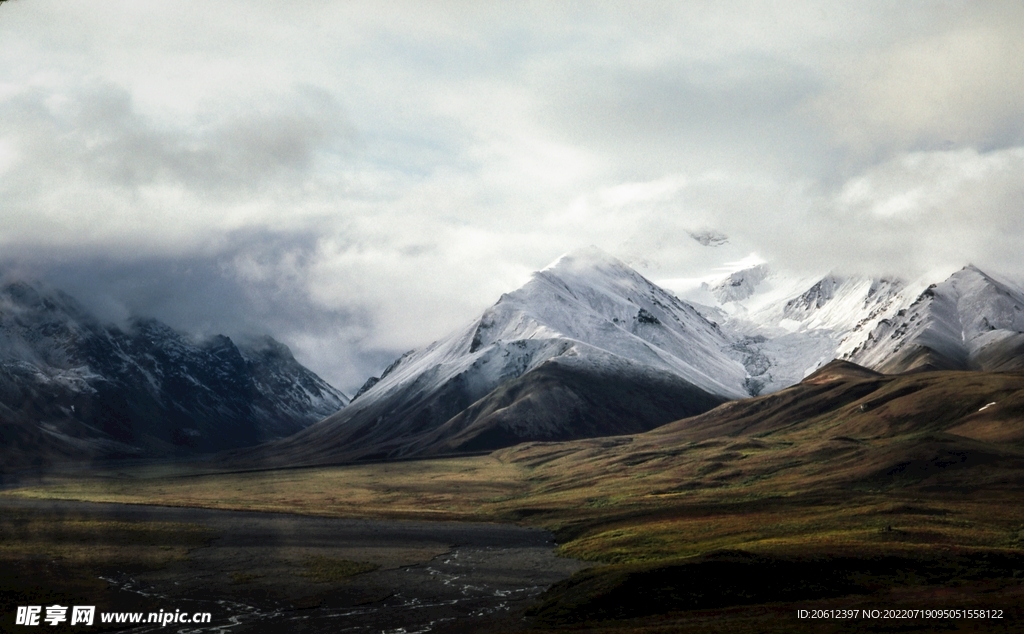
(256, 284)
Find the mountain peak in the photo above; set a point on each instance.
(837, 370)
(738, 285)
(969, 269)
(973, 272)
(75, 388)
(588, 257)
(971, 320)
(587, 277)
(547, 361)
(266, 346)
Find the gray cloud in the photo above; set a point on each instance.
(220, 294)
(94, 131)
(689, 117)
(939, 88)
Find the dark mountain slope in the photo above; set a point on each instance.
(72, 387)
(559, 402)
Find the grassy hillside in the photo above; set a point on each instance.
(848, 489)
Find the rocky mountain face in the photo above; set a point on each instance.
(72, 387)
(970, 321)
(783, 329)
(587, 347)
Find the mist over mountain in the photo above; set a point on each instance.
(72, 387)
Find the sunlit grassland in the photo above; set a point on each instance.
(26, 534)
(447, 489)
(605, 505)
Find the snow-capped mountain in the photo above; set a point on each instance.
(587, 347)
(783, 327)
(970, 321)
(73, 387)
(737, 286)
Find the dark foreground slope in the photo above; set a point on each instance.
(851, 489)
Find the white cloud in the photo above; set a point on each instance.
(922, 185)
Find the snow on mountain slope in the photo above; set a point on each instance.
(849, 307)
(588, 343)
(968, 321)
(587, 314)
(784, 327)
(71, 386)
(747, 290)
(739, 285)
(588, 308)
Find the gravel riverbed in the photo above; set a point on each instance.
(253, 575)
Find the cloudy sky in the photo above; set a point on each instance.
(359, 178)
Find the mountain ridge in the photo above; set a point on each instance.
(73, 388)
(587, 347)
(527, 367)
(786, 328)
(969, 321)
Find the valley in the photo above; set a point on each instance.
(266, 573)
(849, 489)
